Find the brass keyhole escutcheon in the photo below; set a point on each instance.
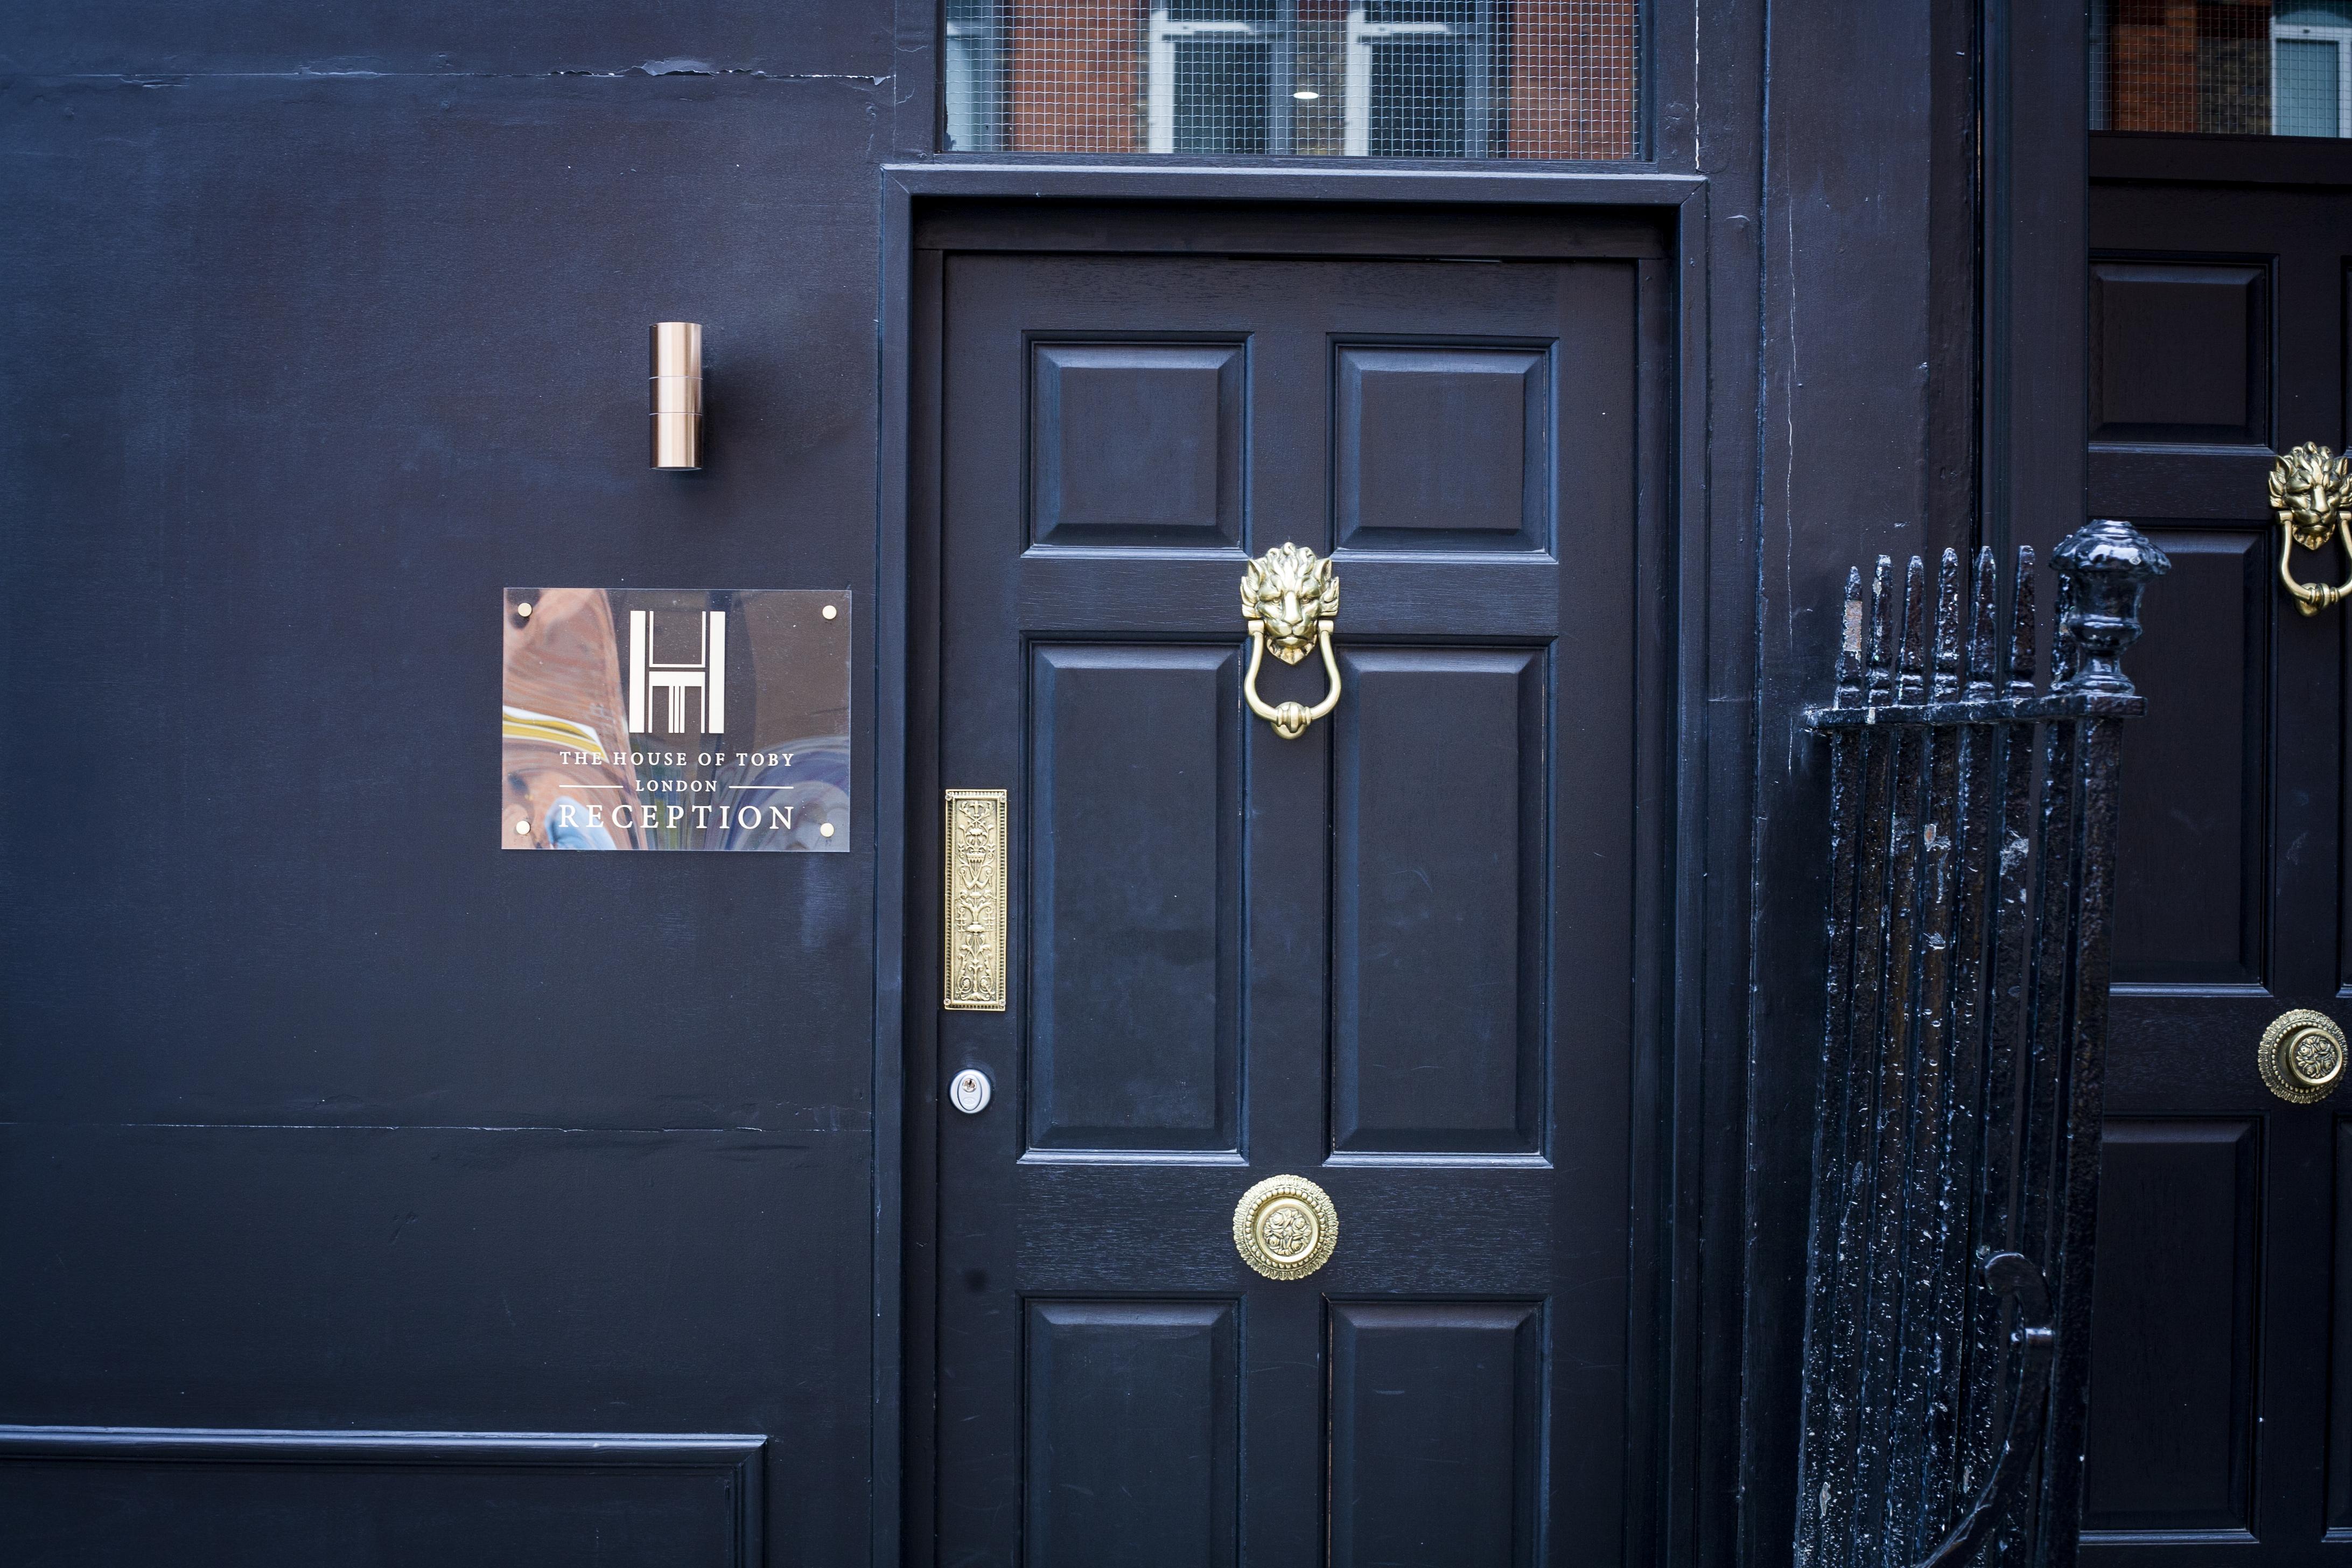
(2302, 1057)
(1284, 1227)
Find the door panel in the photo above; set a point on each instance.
(2220, 343)
(2339, 1393)
(1436, 1415)
(1133, 1441)
(1137, 444)
(1397, 956)
(2183, 352)
(1443, 446)
(2172, 1446)
(1134, 1003)
(1438, 901)
(2193, 864)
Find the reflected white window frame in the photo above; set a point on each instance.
(1358, 86)
(2301, 32)
(1357, 102)
(1159, 69)
(972, 76)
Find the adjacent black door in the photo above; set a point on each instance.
(1410, 955)
(2221, 1375)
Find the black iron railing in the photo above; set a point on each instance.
(1955, 1158)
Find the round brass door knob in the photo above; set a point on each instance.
(2302, 1058)
(1284, 1227)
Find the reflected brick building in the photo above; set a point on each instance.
(1434, 78)
(2222, 68)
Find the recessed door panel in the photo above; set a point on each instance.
(2180, 351)
(1135, 444)
(1442, 446)
(1438, 901)
(2339, 1338)
(1133, 797)
(1435, 1415)
(2171, 1438)
(1133, 1438)
(2192, 864)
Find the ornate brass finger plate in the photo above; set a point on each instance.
(1284, 1227)
(972, 889)
(1292, 594)
(2311, 490)
(2302, 1057)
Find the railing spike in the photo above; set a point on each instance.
(1984, 627)
(1947, 627)
(1882, 634)
(1850, 649)
(2021, 624)
(1912, 687)
(2061, 638)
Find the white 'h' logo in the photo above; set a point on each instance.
(707, 674)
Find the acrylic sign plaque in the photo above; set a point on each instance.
(676, 719)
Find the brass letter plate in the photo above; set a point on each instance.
(973, 884)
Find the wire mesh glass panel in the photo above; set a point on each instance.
(1384, 78)
(2241, 68)
(1420, 99)
(1218, 86)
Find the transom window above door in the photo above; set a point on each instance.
(2244, 67)
(1220, 78)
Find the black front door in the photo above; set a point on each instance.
(2222, 1368)
(1408, 955)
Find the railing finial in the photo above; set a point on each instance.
(2105, 562)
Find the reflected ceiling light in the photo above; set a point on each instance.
(674, 380)
(1306, 95)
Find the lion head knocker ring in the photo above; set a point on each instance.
(1291, 596)
(2310, 490)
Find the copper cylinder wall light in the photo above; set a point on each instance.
(674, 383)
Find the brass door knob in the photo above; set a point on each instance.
(2302, 1058)
(1284, 1227)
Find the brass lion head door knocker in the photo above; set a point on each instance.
(2311, 488)
(1291, 595)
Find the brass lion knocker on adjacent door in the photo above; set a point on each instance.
(2303, 1055)
(2311, 490)
(1292, 593)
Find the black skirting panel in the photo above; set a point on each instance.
(93, 1496)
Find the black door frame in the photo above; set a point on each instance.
(907, 1076)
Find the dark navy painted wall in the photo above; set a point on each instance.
(324, 322)
(320, 322)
